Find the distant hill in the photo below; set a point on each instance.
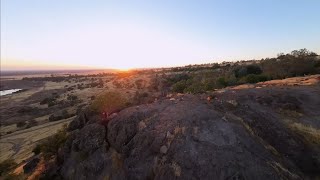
(41, 72)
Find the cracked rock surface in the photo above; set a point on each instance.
(236, 134)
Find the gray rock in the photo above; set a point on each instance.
(195, 140)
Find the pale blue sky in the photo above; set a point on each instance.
(125, 34)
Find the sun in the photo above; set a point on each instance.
(124, 69)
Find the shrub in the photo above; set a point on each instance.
(51, 145)
(51, 103)
(250, 69)
(27, 109)
(47, 100)
(178, 77)
(139, 83)
(61, 115)
(7, 166)
(21, 124)
(179, 86)
(140, 98)
(31, 123)
(195, 88)
(253, 69)
(36, 150)
(108, 102)
(253, 78)
(222, 81)
(72, 97)
(240, 72)
(65, 113)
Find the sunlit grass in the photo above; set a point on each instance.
(310, 134)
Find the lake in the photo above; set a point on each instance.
(10, 91)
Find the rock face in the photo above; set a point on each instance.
(193, 138)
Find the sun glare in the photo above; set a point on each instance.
(125, 69)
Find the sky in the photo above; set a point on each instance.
(75, 34)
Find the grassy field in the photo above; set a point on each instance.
(19, 144)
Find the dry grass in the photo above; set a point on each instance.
(281, 170)
(294, 81)
(252, 133)
(176, 169)
(309, 133)
(117, 161)
(19, 144)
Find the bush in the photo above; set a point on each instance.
(108, 102)
(21, 124)
(253, 78)
(140, 98)
(178, 77)
(62, 115)
(31, 123)
(51, 103)
(250, 69)
(240, 72)
(179, 86)
(72, 97)
(222, 81)
(51, 145)
(253, 69)
(47, 101)
(37, 150)
(139, 83)
(195, 88)
(6, 166)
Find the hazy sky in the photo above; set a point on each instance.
(52, 34)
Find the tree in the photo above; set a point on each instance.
(179, 86)
(222, 81)
(253, 69)
(302, 53)
(21, 124)
(6, 166)
(109, 102)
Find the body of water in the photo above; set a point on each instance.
(10, 91)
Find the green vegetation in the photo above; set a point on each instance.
(141, 97)
(109, 102)
(48, 101)
(253, 78)
(50, 146)
(62, 115)
(21, 124)
(247, 70)
(309, 133)
(201, 78)
(6, 166)
(31, 123)
(72, 97)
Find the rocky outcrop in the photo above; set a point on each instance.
(85, 117)
(237, 134)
